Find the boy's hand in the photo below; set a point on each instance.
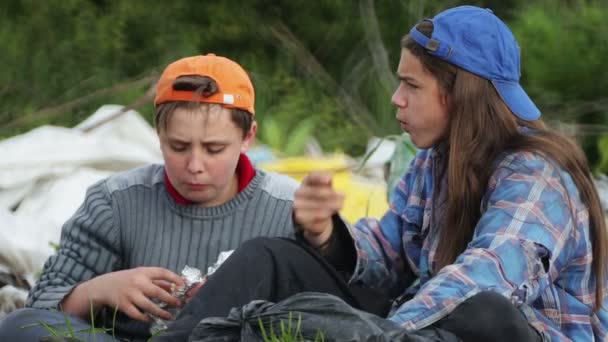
(131, 291)
(315, 203)
(193, 291)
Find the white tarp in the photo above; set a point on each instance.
(44, 175)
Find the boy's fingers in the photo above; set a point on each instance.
(163, 274)
(313, 215)
(317, 178)
(165, 285)
(162, 295)
(192, 292)
(334, 203)
(319, 193)
(133, 312)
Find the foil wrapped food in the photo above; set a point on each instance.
(192, 276)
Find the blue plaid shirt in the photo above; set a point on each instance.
(531, 212)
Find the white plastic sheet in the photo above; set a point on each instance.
(44, 175)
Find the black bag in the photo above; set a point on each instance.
(308, 317)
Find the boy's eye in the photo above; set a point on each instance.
(178, 148)
(214, 150)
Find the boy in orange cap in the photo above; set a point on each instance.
(136, 229)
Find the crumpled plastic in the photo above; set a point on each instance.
(309, 316)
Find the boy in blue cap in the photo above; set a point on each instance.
(495, 233)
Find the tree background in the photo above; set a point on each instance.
(323, 67)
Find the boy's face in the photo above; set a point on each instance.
(422, 109)
(201, 149)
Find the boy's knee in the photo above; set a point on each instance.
(489, 299)
(489, 314)
(268, 251)
(14, 324)
(491, 309)
(256, 243)
(264, 246)
(25, 324)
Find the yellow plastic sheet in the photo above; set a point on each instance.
(363, 197)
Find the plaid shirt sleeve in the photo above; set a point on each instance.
(382, 260)
(522, 239)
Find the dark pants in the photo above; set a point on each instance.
(274, 269)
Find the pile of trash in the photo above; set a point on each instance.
(44, 174)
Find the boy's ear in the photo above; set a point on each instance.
(250, 137)
(446, 100)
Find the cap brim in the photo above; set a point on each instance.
(517, 100)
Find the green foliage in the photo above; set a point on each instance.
(54, 246)
(287, 142)
(602, 164)
(298, 137)
(562, 52)
(65, 331)
(333, 62)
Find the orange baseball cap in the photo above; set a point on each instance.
(235, 87)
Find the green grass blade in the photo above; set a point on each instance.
(283, 331)
(263, 330)
(299, 328)
(289, 322)
(114, 315)
(53, 330)
(92, 319)
(68, 324)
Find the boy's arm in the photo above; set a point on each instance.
(89, 246)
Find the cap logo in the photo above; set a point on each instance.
(228, 99)
(432, 45)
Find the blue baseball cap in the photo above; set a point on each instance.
(476, 40)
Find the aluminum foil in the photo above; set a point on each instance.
(191, 276)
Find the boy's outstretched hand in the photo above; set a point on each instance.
(315, 202)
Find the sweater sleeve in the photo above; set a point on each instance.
(340, 251)
(89, 246)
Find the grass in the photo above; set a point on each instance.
(288, 332)
(65, 331)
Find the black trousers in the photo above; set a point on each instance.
(273, 269)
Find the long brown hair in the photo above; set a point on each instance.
(480, 121)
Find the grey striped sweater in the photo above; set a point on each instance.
(130, 220)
